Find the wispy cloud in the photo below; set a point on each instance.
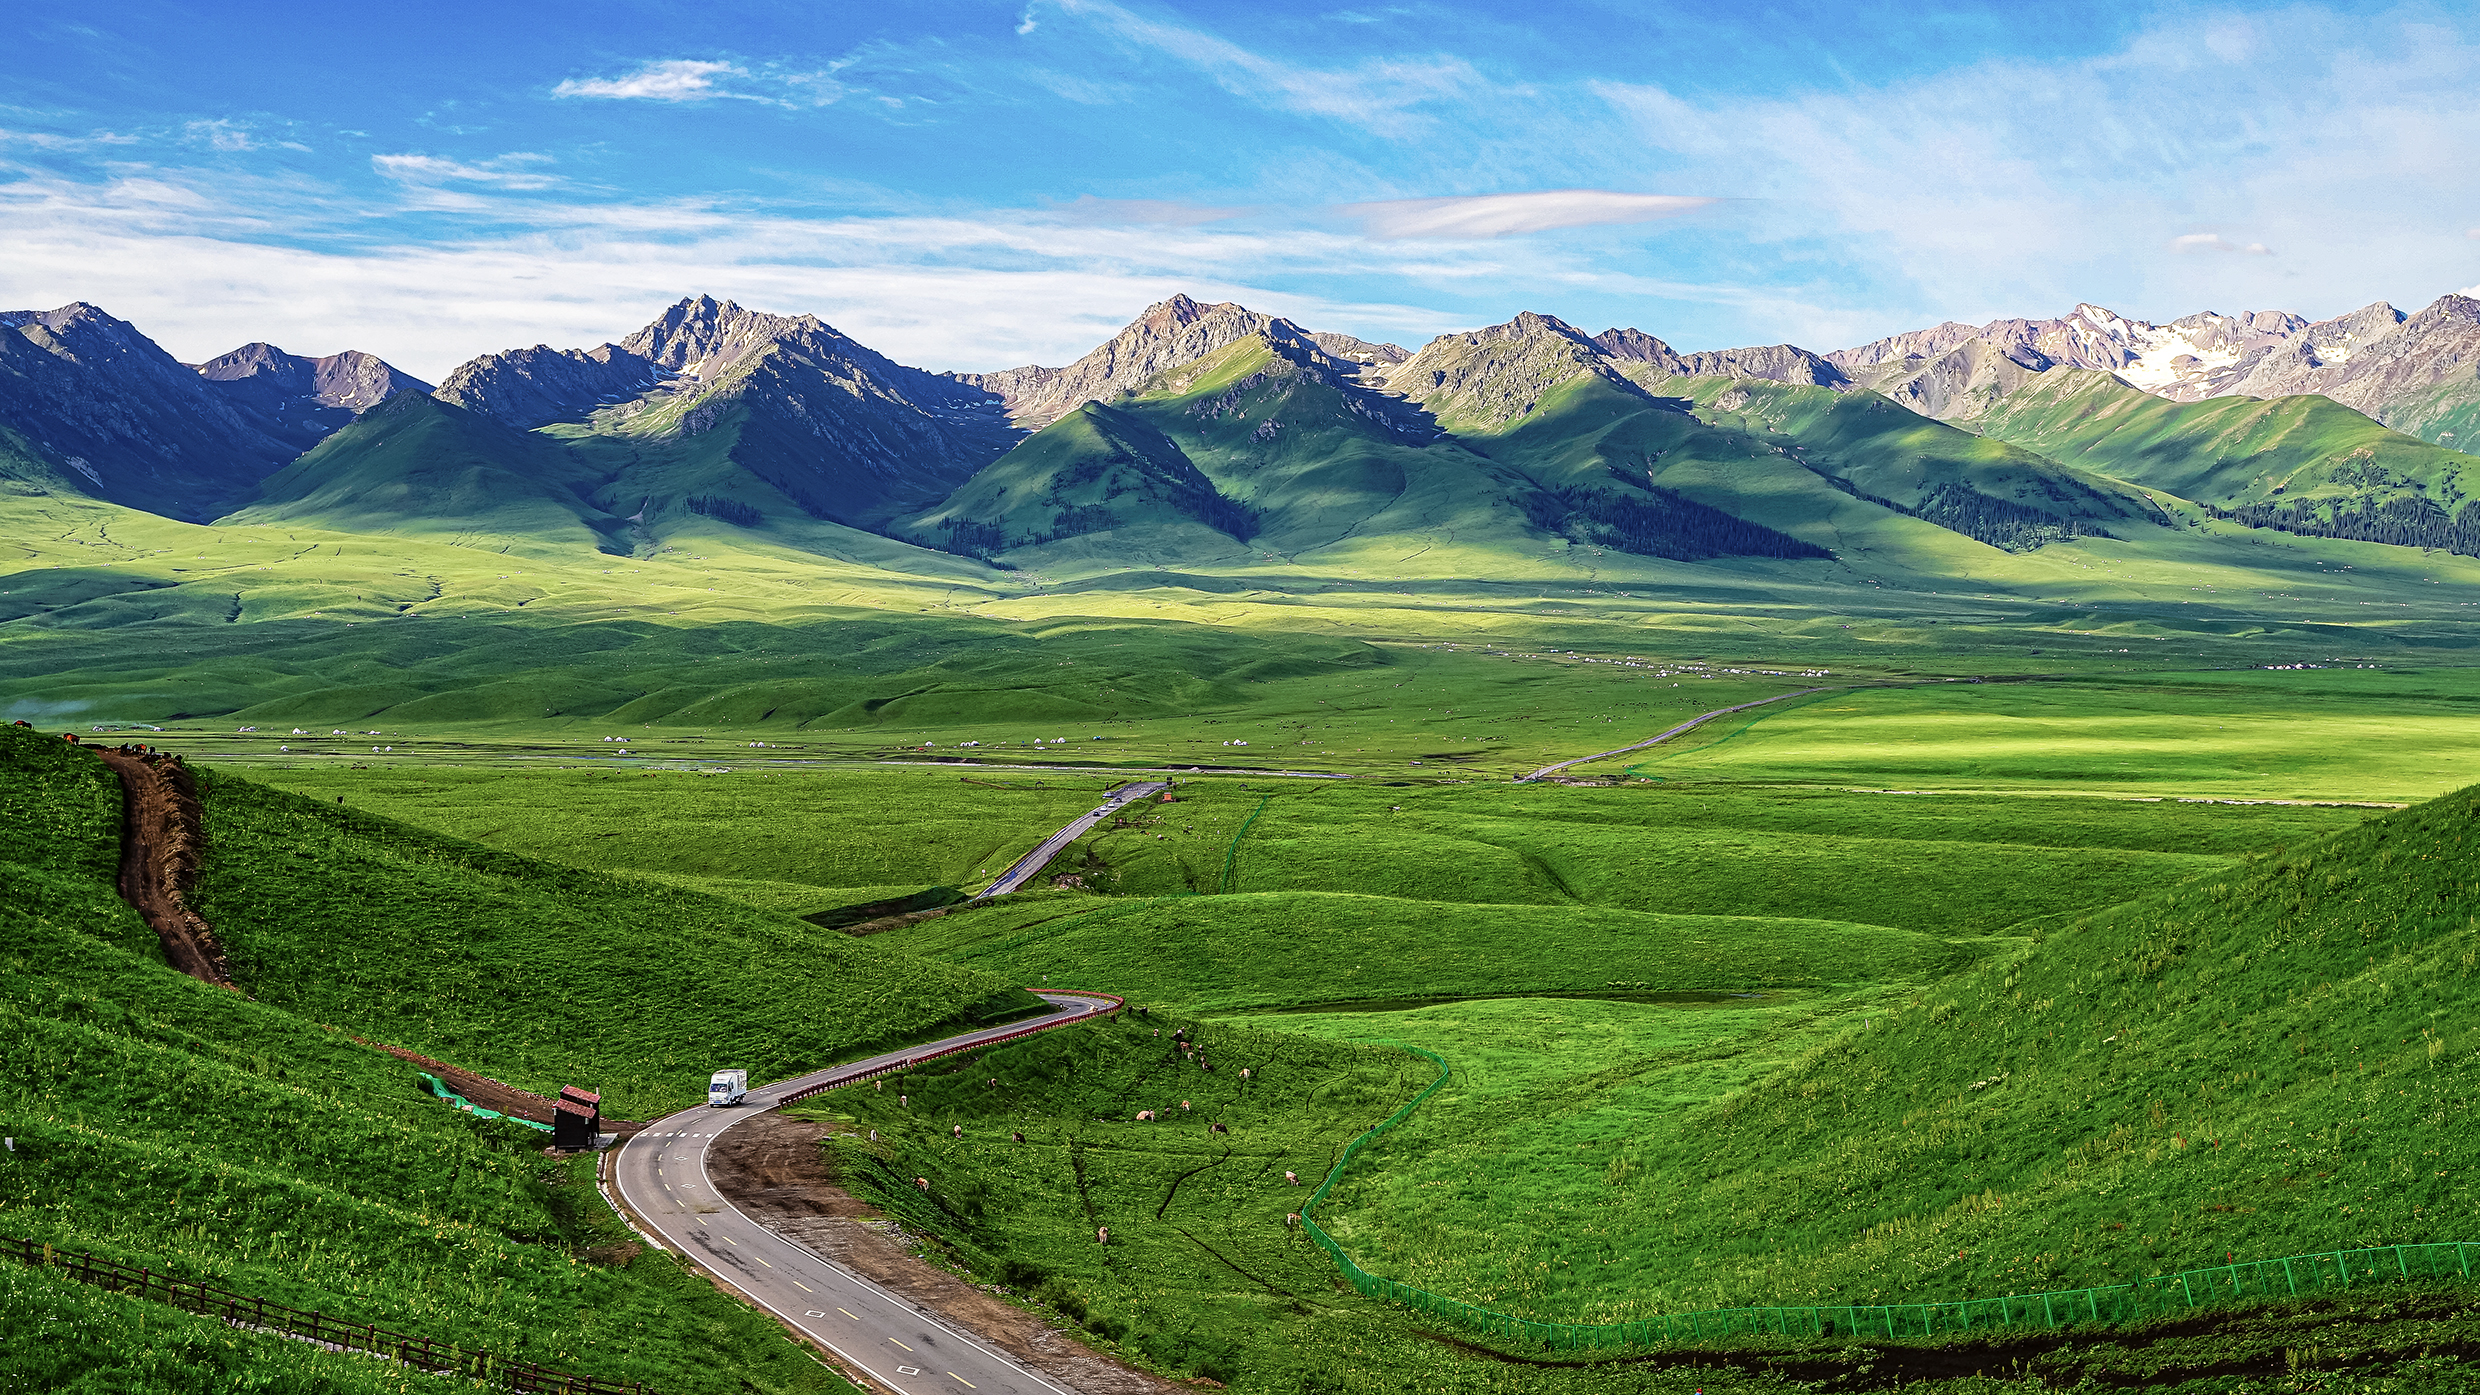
(54, 140)
(1379, 94)
(512, 171)
(986, 291)
(1503, 215)
(2325, 136)
(1025, 23)
(670, 80)
(1155, 212)
(2215, 242)
(220, 135)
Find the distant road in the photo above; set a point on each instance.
(1033, 862)
(1674, 731)
(661, 1176)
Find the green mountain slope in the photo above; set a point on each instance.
(1991, 491)
(1094, 469)
(2307, 464)
(418, 465)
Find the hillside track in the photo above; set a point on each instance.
(1688, 725)
(662, 1181)
(163, 831)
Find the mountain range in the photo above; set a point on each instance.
(1205, 434)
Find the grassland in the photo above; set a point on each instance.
(2386, 735)
(2143, 1090)
(505, 888)
(196, 1131)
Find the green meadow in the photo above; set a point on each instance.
(2029, 950)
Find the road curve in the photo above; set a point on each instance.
(1030, 864)
(660, 1175)
(1695, 721)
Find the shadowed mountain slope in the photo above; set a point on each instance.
(417, 465)
(98, 406)
(298, 400)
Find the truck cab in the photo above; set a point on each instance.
(728, 1087)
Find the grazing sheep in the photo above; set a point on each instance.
(922, 1182)
(1292, 1177)
(1183, 1104)
(1102, 1235)
(1018, 1137)
(1244, 1072)
(960, 1131)
(1292, 1220)
(1145, 1116)
(1217, 1128)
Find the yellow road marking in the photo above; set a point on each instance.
(899, 1343)
(796, 1283)
(735, 1244)
(761, 1261)
(962, 1381)
(855, 1317)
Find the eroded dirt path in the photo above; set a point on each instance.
(770, 1168)
(163, 831)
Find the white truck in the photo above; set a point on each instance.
(728, 1087)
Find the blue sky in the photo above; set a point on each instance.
(970, 185)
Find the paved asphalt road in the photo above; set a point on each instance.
(661, 1176)
(1674, 731)
(1033, 862)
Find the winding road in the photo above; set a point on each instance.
(660, 1176)
(1026, 867)
(1696, 721)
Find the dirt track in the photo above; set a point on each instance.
(769, 1167)
(162, 834)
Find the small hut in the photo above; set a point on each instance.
(576, 1117)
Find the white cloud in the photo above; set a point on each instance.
(200, 268)
(2327, 136)
(511, 171)
(1500, 215)
(1162, 212)
(2215, 242)
(670, 80)
(219, 135)
(1378, 94)
(1025, 22)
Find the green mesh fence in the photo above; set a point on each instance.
(2143, 1298)
(1231, 855)
(439, 1088)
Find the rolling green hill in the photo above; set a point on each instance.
(414, 464)
(1095, 469)
(208, 1134)
(2144, 1089)
(2304, 464)
(1988, 490)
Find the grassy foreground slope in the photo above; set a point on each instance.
(2272, 1060)
(166, 1123)
(542, 974)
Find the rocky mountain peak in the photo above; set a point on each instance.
(702, 337)
(1528, 323)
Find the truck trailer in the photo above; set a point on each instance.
(728, 1087)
